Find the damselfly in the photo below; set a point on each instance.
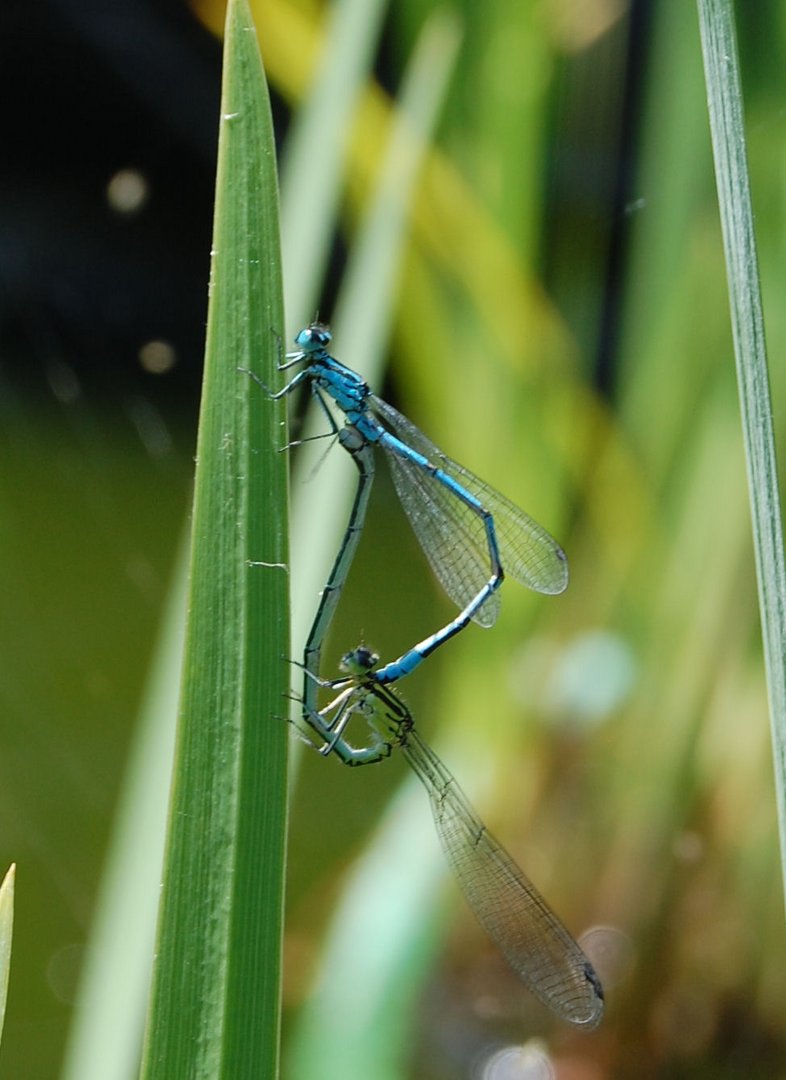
(506, 903)
(470, 533)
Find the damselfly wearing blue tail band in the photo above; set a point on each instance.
(470, 533)
(508, 906)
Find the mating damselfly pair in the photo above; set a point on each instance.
(472, 537)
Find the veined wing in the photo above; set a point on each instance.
(507, 905)
(454, 538)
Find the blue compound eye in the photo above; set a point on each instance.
(313, 337)
(320, 334)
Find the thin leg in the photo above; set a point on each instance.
(362, 454)
(332, 721)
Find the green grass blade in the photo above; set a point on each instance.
(6, 936)
(363, 316)
(216, 984)
(103, 1041)
(379, 245)
(724, 96)
(311, 192)
(359, 1016)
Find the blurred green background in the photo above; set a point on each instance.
(554, 315)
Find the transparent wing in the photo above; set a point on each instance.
(508, 906)
(454, 538)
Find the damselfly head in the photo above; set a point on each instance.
(314, 337)
(359, 660)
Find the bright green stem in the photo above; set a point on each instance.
(724, 96)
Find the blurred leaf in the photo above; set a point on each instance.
(310, 196)
(104, 1037)
(6, 936)
(339, 1036)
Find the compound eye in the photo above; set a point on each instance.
(365, 657)
(359, 660)
(313, 337)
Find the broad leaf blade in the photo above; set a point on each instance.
(216, 987)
